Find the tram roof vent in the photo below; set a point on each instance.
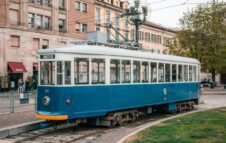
(97, 36)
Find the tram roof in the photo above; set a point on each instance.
(108, 51)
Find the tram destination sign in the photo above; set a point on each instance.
(47, 56)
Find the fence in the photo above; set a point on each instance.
(14, 102)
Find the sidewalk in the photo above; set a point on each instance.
(13, 119)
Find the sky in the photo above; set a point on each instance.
(170, 16)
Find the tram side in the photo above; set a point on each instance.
(88, 86)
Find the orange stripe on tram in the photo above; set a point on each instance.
(47, 117)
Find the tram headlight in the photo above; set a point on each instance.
(46, 100)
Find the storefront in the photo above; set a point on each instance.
(15, 72)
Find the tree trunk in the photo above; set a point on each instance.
(213, 74)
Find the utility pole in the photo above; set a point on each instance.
(138, 17)
(136, 14)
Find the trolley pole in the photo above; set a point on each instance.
(138, 17)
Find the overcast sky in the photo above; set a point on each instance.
(170, 16)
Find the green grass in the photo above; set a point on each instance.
(202, 127)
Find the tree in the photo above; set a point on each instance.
(203, 36)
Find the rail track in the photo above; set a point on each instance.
(71, 133)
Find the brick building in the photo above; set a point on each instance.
(29, 25)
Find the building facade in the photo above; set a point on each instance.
(153, 37)
(29, 25)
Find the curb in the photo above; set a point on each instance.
(158, 122)
(14, 130)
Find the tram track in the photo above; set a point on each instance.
(81, 133)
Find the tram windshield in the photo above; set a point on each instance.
(47, 73)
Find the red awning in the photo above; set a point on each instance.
(35, 65)
(16, 67)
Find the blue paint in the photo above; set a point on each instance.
(92, 101)
(172, 107)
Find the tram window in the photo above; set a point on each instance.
(185, 72)
(59, 73)
(174, 73)
(153, 72)
(126, 71)
(67, 72)
(98, 71)
(145, 72)
(115, 71)
(161, 72)
(180, 73)
(194, 73)
(81, 71)
(198, 74)
(167, 75)
(136, 72)
(47, 73)
(190, 73)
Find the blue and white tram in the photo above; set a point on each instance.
(89, 81)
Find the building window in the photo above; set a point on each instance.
(62, 25)
(108, 16)
(84, 7)
(45, 44)
(46, 23)
(97, 28)
(38, 22)
(117, 21)
(62, 4)
(15, 41)
(98, 71)
(47, 3)
(81, 69)
(126, 24)
(115, 71)
(78, 6)
(84, 28)
(36, 43)
(77, 27)
(39, 2)
(126, 71)
(31, 20)
(14, 17)
(98, 20)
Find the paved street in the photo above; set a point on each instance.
(209, 99)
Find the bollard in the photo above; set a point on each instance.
(11, 102)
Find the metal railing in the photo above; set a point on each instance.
(12, 101)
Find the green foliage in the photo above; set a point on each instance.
(209, 126)
(203, 36)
